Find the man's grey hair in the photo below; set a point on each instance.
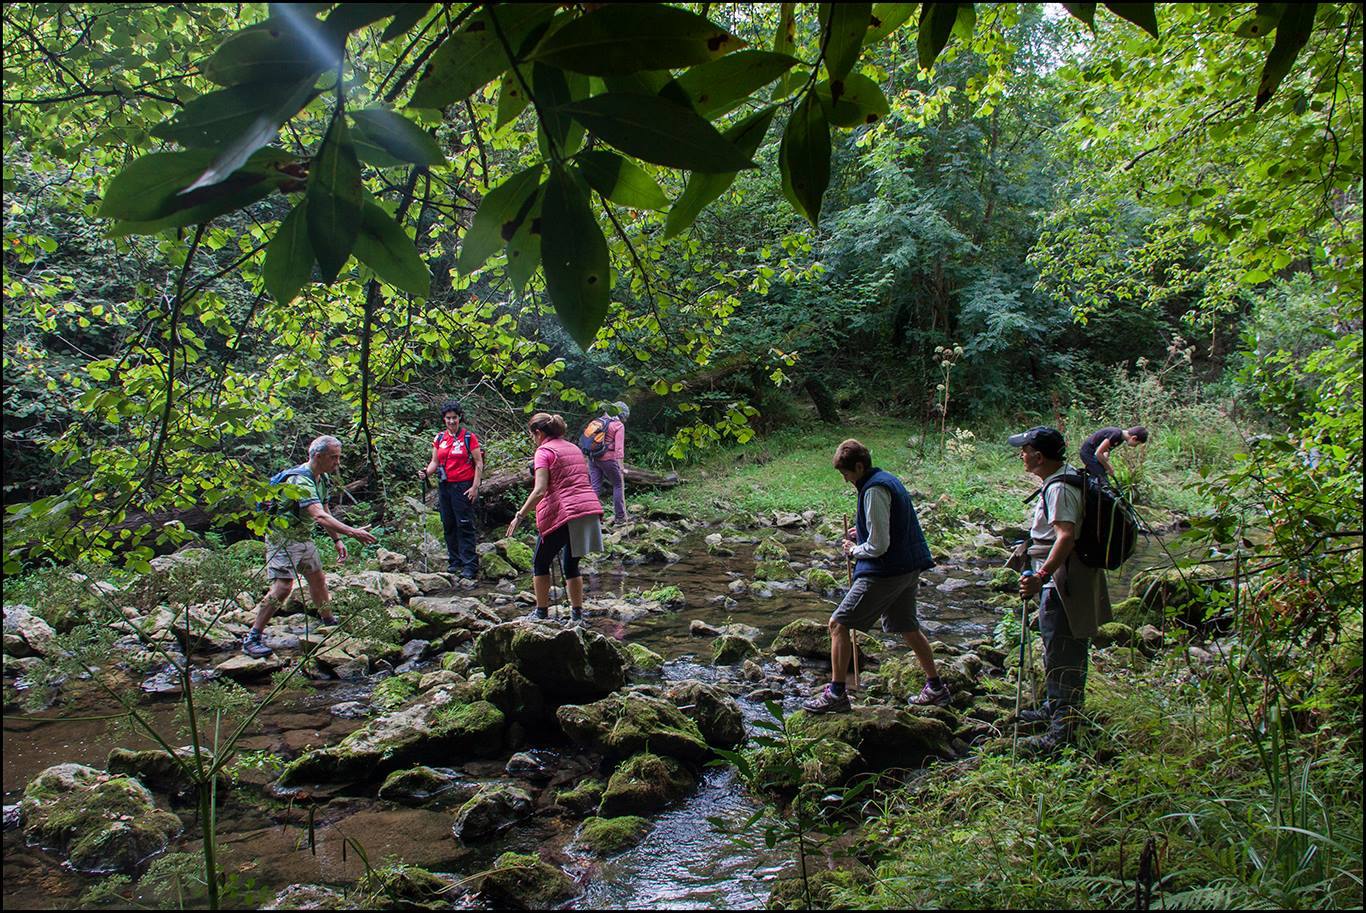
(623, 410)
(322, 444)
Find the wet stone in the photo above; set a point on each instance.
(492, 809)
(534, 765)
(309, 897)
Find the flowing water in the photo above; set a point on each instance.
(683, 861)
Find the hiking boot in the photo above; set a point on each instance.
(538, 614)
(1040, 714)
(576, 617)
(252, 645)
(1037, 746)
(932, 697)
(828, 702)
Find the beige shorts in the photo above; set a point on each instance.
(287, 560)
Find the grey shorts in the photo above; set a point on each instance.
(890, 598)
(287, 560)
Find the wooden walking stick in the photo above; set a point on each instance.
(849, 569)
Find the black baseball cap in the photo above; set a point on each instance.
(1048, 441)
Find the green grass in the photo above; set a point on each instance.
(977, 474)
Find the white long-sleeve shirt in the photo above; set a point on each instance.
(876, 504)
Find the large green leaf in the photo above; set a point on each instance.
(262, 130)
(1267, 17)
(396, 135)
(936, 25)
(804, 158)
(659, 131)
(625, 37)
(334, 200)
(847, 27)
(1086, 12)
(860, 101)
(497, 219)
(151, 188)
(554, 89)
(283, 48)
(1143, 15)
(620, 180)
(473, 56)
(512, 97)
(785, 38)
(718, 87)
(524, 247)
(1292, 32)
(217, 117)
(964, 22)
(405, 19)
(289, 257)
(347, 17)
(887, 18)
(702, 188)
(385, 247)
(574, 256)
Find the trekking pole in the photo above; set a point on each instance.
(849, 570)
(422, 519)
(1019, 675)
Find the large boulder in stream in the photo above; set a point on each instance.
(493, 808)
(99, 821)
(438, 727)
(568, 664)
(625, 724)
(437, 616)
(885, 736)
(715, 712)
(811, 640)
(521, 881)
(645, 784)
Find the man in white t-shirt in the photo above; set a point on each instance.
(1073, 600)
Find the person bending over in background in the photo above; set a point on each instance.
(890, 552)
(458, 461)
(568, 514)
(290, 551)
(606, 461)
(1095, 450)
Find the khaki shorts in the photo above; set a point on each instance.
(890, 598)
(287, 560)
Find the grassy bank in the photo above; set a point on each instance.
(973, 474)
(1179, 786)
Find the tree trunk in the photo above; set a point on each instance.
(825, 402)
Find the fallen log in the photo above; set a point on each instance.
(500, 483)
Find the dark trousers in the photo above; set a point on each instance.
(457, 521)
(1093, 466)
(1064, 659)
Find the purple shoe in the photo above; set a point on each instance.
(827, 702)
(932, 697)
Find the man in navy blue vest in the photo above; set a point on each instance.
(890, 552)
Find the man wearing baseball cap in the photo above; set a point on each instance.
(1073, 600)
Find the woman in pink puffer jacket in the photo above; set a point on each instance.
(568, 514)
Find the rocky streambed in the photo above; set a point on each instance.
(476, 758)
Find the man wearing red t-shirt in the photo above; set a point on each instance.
(458, 462)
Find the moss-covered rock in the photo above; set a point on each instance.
(819, 580)
(492, 809)
(716, 546)
(623, 724)
(1170, 590)
(829, 763)
(1115, 633)
(523, 882)
(582, 798)
(100, 822)
(436, 617)
(568, 664)
(515, 553)
(1124, 657)
(516, 695)
(433, 728)
(396, 690)
(790, 893)
(729, 649)
(668, 598)
(715, 712)
(494, 566)
(774, 571)
(1133, 613)
(399, 886)
(459, 663)
(309, 897)
(604, 836)
(1005, 580)
(803, 637)
(252, 550)
(157, 770)
(770, 549)
(416, 785)
(885, 736)
(644, 784)
(642, 657)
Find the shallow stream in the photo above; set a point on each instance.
(682, 863)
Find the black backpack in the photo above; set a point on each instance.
(1109, 527)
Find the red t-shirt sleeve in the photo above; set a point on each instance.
(545, 457)
(474, 441)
